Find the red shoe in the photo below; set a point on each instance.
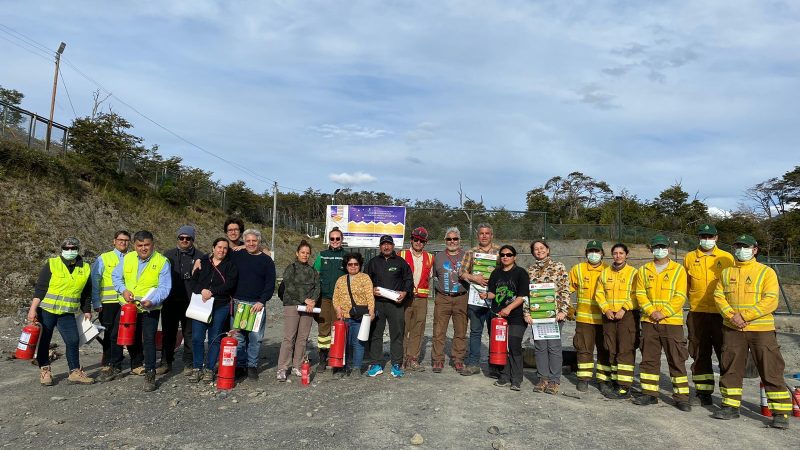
(437, 366)
(459, 366)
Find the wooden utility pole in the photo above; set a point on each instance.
(53, 98)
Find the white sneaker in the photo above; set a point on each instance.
(296, 372)
(281, 375)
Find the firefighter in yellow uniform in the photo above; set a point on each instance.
(615, 297)
(746, 296)
(703, 265)
(589, 320)
(661, 294)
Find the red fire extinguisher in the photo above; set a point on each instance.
(28, 340)
(796, 402)
(226, 368)
(338, 343)
(127, 324)
(498, 342)
(305, 372)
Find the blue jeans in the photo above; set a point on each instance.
(355, 348)
(219, 320)
(68, 328)
(144, 339)
(478, 317)
(249, 342)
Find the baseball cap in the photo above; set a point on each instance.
(386, 238)
(594, 245)
(707, 228)
(659, 239)
(746, 239)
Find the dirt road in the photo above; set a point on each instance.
(447, 410)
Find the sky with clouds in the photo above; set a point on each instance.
(412, 97)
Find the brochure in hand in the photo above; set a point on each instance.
(244, 319)
(542, 300)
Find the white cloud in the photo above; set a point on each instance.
(349, 131)
(347, 179)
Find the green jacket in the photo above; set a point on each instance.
(302, 282)
(329, 266)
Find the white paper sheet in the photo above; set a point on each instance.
(363, 332)
(388, 293)
(545, 329)
(302, 308)
(200, 310)
(259, 321)
(474, 299)
(87, 331)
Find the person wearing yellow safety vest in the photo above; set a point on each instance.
(62, 290)
(704, 323)
(746, 297)
(104, 297)
(617, 301)
(143, 278)
(421, 263)
(589, 320)
(661, 294)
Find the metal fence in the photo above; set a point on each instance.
(30, 130)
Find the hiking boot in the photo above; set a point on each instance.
(322, 366)
(458, 366)
(644, 400)
(515, 387)
(413, 366)
(45, 376)
(780, 421)
(281, 376)
(77, 376)
(397, 372)
(188, 370)
(164, 368)
(582, 386)
(340, 373)
(252, 373)
(726, 413)
(494, 372)
(552, 388)
(705, 399)
(606, 389)
(540, 386)
(149, 381)
(196, 376)
(437, 366)
(138, 370)
(683, 406)
(209, 375)
(471, 370)
(501, 383)
(374, 370)
(109, 373)
(619, 394)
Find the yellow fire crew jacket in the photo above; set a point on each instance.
(751, 289)
(583, 281)
(615, 289)
(665, 292)
(704, 271)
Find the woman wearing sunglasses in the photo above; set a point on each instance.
(507, 289)
(352, 296)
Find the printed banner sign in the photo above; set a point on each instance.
(363, 225)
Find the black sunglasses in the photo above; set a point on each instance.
(507, 255)
(336, 238)
(69, 248)
(185, 238)
(451, 239)
(417, 240)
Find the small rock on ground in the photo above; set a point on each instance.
(417, 439)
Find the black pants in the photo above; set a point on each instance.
(393, 313)
(512, 371)
(143, 350)
(173, 313)
(108, 319)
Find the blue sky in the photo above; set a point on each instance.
(411, 98)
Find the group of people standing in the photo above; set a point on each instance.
(619, 309)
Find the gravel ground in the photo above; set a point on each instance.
(446, 410)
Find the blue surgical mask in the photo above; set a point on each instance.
(660, 253)
(594, 257)
(743, 254)
(69, 255)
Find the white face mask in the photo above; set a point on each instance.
(594, 257)
(707, 244)
(743, 253)
(660, 253)
(69, 255)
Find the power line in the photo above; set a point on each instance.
(27, 49)
(28, 40)
(64, 83)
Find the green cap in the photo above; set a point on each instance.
(659, 239)
(747, 240)
(594, 245)
(707, 228)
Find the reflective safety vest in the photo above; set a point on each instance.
(583, 281)
(107, 292)
(615, 289)
(64, 291)
(422, 290)
(665, 292)
(750, 289)
(141, 284)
